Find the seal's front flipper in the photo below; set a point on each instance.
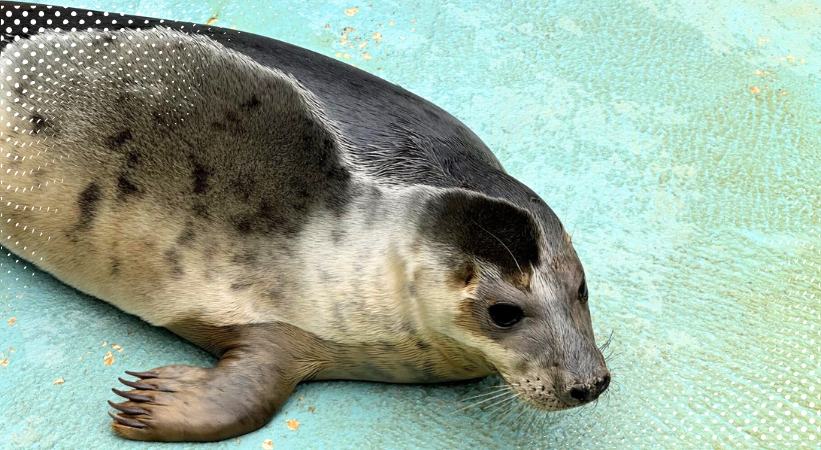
(253, 378)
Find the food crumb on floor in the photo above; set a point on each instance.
(108, 359)
(293, 424)
(59, 381)
(267, 444)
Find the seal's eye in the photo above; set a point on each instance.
(505, 315)
(583, 291)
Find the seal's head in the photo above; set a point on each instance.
(513, 289)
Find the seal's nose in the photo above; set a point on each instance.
(588, 392)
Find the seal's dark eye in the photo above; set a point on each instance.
(583, 291)
(505, 315)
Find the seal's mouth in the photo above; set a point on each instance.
(550, 394)
(537, 392)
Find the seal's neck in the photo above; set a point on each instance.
(373, 297)
(356, 268)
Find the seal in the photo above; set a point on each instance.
(297, 217)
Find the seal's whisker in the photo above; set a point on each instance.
(497, 407)
(521, 408)
(483, 394)
(509, 408)
(524, 417)
(536, 417)
(473, 405)
(607, 342)
(497, 388)
(492, 407)
(612, 356)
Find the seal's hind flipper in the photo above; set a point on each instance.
(255, 375)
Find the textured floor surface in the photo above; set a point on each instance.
(680, 142)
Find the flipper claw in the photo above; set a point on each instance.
(133, 423)
(133, 410)
(132, 396)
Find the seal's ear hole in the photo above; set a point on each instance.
(465, 275)
(468, 274)
(505, 315)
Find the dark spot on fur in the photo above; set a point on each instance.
(125, 187)
(245, 258)
(201, 209)
(337, 234)
(119, 139)
(115, 267)
(187, 236)
(243, 188)
(422, 345)
(221, 126)
(266, 219)
(274, 294)
(200, 176)
(38, 122)
(132, 160)
(252, 103)
(232, 116)
(242, 224)
(159, 118)
(269, 217)
(88, 201)
(172, 257)
(411, 288)
(125, 98)
(240, 285)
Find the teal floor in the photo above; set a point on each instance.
(679, 141)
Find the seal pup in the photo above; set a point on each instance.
(293, 215)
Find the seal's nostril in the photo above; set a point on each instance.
(580, 393)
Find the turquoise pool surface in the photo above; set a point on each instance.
(678, 140)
